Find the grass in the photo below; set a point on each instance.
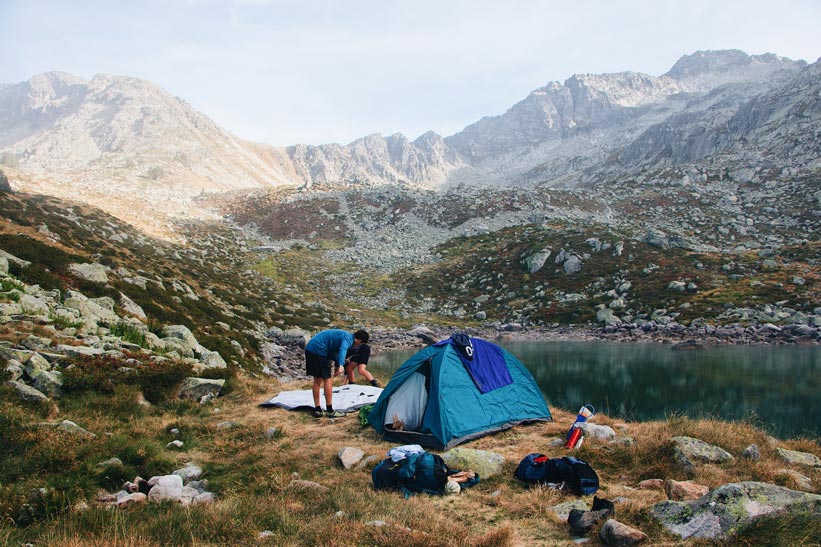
(251, 474)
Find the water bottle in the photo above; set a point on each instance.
(574, 434)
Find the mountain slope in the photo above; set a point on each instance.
(62, 126)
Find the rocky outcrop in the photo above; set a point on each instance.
(35, 364)
(728, 508)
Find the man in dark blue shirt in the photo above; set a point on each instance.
(357, 360)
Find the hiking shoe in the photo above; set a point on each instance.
(375, 383)
(319, 414)
(334, 414)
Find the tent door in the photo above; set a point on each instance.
(407, 404)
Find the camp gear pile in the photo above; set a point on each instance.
(412, 470)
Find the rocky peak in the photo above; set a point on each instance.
(705, 70)
(627, 89)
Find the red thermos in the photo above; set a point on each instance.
(575, 435)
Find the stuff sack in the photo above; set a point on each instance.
(583, 479)
(532, 469)
(568, 472)
(419, 472)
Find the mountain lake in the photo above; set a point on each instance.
(777, 388)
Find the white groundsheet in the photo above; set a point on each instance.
(346, 398)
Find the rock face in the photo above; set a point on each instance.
(730, 507)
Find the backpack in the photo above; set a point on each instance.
(571, 473)
(419, 472)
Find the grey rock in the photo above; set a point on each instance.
(799, 458)
(729, 508)
(562, 510)
(482, 462)
(96, 273)
(536, 261)
(607, 317)
(349, 456)
(191, 472)
(620, 535)
(70, 427)
(689, 452)
(596, 431)
(572, 265)
(26, 392)
(196, 388)
(165, 487)
(752, 453)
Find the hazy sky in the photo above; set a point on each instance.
(305, 71)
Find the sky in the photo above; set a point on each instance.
(311, 71)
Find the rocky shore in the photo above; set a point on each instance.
(284, 355)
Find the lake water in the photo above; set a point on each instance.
(779, 387)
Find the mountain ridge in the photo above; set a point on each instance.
(125, 138)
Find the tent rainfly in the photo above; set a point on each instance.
(455, 391)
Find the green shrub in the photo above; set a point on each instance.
(63, 322)
(129, 333)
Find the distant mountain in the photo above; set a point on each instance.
(125, 138)
(125, 145)
(559, 130)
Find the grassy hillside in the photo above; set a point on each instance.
(50, 479)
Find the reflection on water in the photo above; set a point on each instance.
(778, 385)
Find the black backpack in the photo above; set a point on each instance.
(568, 472)
(420, 472)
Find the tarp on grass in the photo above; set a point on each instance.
(347, 398)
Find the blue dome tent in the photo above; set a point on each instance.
(455, 391)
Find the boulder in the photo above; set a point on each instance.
(165, 487)
(483, 463)
(652, 484)
(563, 510)
(130, 307)
(731, 507)
(26, 392)
(190, 472)
(799, 458)
(620, 535)
(349, 456)
(596, 431)
(96, 273)
(607, 317)
(801, 481)
(196, 388)
(684, 490)
(572, 265)
(536, 261)
(690, 451)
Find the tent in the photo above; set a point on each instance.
(455, 391)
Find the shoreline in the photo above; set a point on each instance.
(286, 361)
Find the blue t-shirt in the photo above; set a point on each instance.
(332, 344)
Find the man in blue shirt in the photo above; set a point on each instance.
(327, 346)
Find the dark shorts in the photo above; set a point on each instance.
(318, 366)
